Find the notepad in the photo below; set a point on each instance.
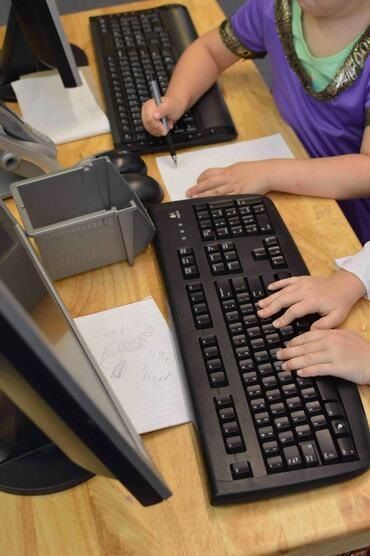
(191, 164)
(134, 348)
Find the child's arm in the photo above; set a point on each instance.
(337, 177)
(341, 353)
(194, 73)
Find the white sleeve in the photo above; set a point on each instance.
(359, 265)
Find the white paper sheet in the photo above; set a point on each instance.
(134, 348)
(62, 114)
(191, 164)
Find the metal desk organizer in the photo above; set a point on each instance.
(83, 217)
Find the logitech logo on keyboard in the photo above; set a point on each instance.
(174, 214)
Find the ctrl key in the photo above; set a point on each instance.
(241, 470)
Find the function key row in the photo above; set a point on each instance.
(234, 218)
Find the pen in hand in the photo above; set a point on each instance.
(157, 99)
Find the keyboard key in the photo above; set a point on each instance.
(303, 431)
(277, 409)
(281, 423)
(217, 379)
(274, 464)
(326, 445)
(262, 418)
(313, 407)
(246, 365)
(241, 470)
(206, 341)
(340, 427)
(223, 401)
(214, 365)
(234, 444)
(270, 448)
(211, 352)
(334, 409)
(319, 421)
(258, 404)
(286, 437)
(231, 428)
(226, 413)
(309, 454)
(347, 449)
(292, 457)
(265, 433)
(203, 321)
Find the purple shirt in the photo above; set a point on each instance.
(327, 125)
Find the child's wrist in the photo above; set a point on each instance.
(352, 284)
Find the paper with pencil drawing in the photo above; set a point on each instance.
(191, 164)
(134, 348)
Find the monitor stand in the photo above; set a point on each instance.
(29, 462)
(16, 58)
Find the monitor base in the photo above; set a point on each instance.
(42, 471)
(6, 90)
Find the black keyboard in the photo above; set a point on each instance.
(264, 431)
(132, 46)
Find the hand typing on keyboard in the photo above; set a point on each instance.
(331, 297)
(341, 353)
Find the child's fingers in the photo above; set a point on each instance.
(300, 359)
(209, 173)
(299, 309)
(321, 369)
(277, 302)
(220, 190)
(307, 337)
(206, 185)
(331, 320)
(282, 283)
(300, 350)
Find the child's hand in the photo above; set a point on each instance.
(331, 297)
(243, 177)
(151, 114)
(341, 353)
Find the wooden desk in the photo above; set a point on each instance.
(99, 518)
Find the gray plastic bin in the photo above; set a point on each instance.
(83, 218)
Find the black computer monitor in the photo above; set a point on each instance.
(34, 41)
(60, 422)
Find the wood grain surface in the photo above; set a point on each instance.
(100, 518)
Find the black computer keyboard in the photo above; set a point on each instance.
(264, 431)
(131, 47)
